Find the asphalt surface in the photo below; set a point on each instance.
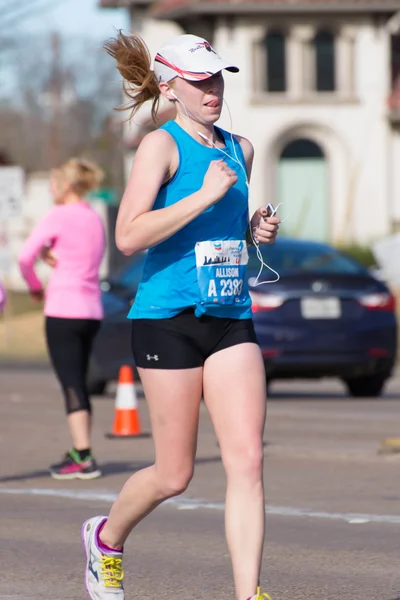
(333, 502)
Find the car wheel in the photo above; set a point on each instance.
(369, 386)
(96, 387)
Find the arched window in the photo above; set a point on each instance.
(275, 44)
(303, 190)
(324, 46)
(395, 48)
(302, 148)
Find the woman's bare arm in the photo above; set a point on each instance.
(138, 226)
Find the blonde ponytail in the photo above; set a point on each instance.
(133, 62)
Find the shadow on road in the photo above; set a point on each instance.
(108, 469)
(318, 397)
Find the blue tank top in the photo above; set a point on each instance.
(169, 283)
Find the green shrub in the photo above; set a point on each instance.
(20, 303)
(363, 254)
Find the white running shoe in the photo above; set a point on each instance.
(104, 572)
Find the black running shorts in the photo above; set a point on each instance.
(186, 341)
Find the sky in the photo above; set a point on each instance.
(76, 17)
(79, 19)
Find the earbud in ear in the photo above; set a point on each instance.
(174, 95)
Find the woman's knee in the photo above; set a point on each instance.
(174, 482)
(245, 461)
(76, 399)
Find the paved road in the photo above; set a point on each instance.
(333, 512)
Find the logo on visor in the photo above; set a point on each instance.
(201, 45)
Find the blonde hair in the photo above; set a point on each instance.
(80, 175)
(134, 62)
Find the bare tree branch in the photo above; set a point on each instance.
(60, 104)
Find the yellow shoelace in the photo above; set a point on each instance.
(261, 596)
(111, 571)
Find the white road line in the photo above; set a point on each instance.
(182, 503)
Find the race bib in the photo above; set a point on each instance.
(221, 268)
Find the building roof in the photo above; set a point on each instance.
(171, 9)
(271, 5)
(121, 3)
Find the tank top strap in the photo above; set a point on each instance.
(181, 138)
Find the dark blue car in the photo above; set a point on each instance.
(326, 316)
(112, 347)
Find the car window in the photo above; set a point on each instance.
(304, 258)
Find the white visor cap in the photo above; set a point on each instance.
(189, 57)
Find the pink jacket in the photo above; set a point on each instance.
(76, 236)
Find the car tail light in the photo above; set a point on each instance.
(378, 352)
(380, 301)
(269, 353)
(263, 302)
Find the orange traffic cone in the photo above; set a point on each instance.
(126, 416)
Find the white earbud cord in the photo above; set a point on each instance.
(255, 242)
(237, 160)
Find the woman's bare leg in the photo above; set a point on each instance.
(235, 394)
(174, 399)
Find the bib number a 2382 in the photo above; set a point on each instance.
(221, 267)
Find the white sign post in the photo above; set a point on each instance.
(11, 196)
(11, 191)
(12, 181)
(387, 253)
(5, 251)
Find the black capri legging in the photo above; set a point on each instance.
(69, 343)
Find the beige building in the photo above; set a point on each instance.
(318, 94)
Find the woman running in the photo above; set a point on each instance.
(192, 330)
